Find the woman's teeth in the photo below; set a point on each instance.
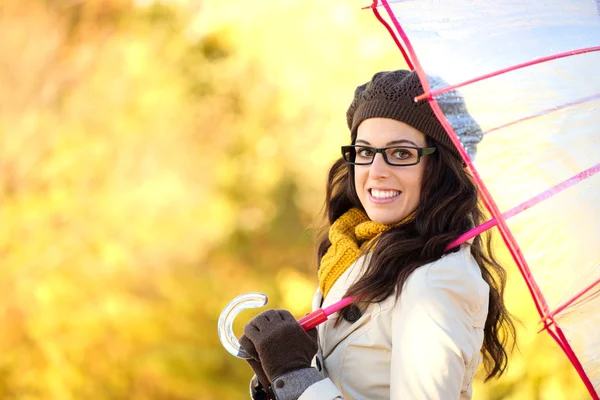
(384, 194)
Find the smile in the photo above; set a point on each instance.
(383, 196)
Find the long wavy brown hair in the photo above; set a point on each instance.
(449, 207)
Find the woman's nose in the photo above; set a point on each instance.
(379, 168)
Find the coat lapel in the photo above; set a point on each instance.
(329, 335)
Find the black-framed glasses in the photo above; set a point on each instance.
(398, 156)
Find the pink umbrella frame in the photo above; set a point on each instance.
(499, 219)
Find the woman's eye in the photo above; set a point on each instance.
(401, 154)
(364, 152)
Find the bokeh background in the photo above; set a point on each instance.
(159, 158)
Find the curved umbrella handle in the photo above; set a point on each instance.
(255, 300)
(225, 325)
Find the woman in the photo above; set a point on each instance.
(422, 316)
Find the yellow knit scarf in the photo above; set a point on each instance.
(349, 235)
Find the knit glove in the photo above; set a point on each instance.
(254, 361)
(278, 344)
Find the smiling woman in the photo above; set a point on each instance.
(388, 193)
(421, 315)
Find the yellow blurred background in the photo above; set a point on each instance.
(162, 157)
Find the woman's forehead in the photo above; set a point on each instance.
(383, 131)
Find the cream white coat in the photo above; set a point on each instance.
(425, 345)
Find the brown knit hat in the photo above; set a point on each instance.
(391, 95)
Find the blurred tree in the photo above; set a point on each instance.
(159, 158)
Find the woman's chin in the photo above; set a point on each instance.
(386, 218)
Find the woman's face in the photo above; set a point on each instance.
(388, 193)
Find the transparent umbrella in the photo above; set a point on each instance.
(529, 72)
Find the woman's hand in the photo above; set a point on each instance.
(254, 361)
(277, 344)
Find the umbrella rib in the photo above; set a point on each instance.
(430, 94)
(409, 49)
(574, 299)
(527, 204)
(562, 341)
(391, 32)
(545, 112)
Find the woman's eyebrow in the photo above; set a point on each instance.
(401, 141)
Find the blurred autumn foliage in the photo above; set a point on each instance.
(159, 158)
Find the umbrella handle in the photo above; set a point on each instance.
(255, 300)
(225, 325)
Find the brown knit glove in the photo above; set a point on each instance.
(254, 361)
(278, 344)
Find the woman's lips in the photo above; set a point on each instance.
(383, 196)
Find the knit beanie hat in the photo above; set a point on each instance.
(391, 95)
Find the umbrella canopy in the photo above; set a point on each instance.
(529, 73)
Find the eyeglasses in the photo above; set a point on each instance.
(398, 156)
